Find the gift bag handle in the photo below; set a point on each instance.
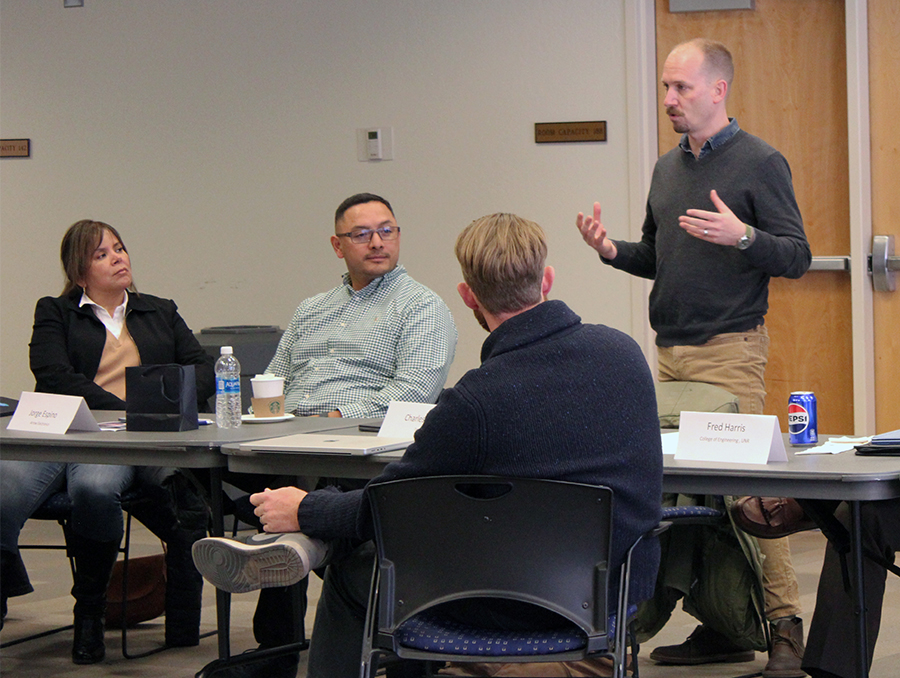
(162, 388)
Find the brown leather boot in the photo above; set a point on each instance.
(787, 649)
(703, 646)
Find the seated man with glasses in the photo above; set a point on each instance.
(378, 336)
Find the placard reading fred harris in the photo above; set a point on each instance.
(736, 438)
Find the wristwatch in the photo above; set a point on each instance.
(746, 239)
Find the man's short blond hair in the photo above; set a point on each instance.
(502, 258)
(717, 60)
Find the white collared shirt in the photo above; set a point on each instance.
(115, 322)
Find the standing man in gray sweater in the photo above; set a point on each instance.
(721, 220)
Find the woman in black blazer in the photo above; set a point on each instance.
(80, 345)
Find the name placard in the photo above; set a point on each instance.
(403, 419)
(735, 438)
(52, 413)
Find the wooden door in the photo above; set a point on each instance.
(884, 92)
(790, 89)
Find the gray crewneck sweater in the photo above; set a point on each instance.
(701, 289)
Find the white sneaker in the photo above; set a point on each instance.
(261, 561)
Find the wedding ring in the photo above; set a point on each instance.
(705, 232)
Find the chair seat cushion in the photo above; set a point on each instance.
(438, 634)
(682, 512)
(58, 506)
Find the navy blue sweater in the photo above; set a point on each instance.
(553, 398)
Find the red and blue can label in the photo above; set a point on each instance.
(803, 422)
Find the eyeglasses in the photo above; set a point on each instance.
(364, 235)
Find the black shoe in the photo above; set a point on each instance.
(703, 646)
(275, 662)
(88, 647)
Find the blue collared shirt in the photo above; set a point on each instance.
(714, 141)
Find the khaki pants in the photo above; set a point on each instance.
(736, 361)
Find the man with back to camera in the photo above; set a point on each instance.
(584, 411)
(721, 220)
(377, 337)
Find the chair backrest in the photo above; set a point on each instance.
(446, 538)
(672, 397)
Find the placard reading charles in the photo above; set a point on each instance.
(403, 419)
(736, 438)
(52, 413)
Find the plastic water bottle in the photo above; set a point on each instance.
(228, 389)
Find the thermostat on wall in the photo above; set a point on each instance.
(374, 144)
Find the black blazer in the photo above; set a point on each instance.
(67, 343)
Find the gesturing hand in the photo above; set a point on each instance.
(721, 227)
(594, 233)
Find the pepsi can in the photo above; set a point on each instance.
(803, 422)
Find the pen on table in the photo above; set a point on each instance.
(201, 422)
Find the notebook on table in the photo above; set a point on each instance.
(889, 438)
(882, 445)
(320, 443)
(7, 406)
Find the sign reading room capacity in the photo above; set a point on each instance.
(567, 132)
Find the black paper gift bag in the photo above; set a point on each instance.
(160, 398)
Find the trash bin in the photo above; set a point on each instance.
(254, 346)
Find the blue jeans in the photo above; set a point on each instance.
(95, 490)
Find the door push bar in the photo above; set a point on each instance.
(882, 264)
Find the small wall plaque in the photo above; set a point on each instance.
(15, 148)
(708, 5)
(568, 132)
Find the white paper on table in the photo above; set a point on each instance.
(669, 442)
(835, 445)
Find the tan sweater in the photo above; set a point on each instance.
(117, 355)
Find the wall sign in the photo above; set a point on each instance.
(15, 148)
(568, 132)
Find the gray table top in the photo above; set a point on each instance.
(840, 476)
(816, 476)
(199, 448)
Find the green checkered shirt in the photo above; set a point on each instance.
(357, 351)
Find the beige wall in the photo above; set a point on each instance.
(212, 131)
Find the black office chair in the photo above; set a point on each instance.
(58, 507)
(543, 542)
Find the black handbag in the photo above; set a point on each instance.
(160, 398)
